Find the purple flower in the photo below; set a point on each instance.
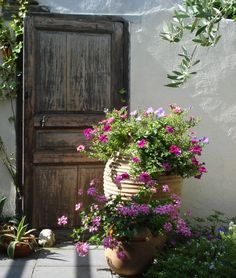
(121, 255)
(81, 248)
(91, 191)
(169, 129)
(149, 111)
(136, 159)
(204, 140)
(196, 149)
(142, 143)
(110, 242)
(125, 176)
(177, 200)
(144, 177)
(160, 112)
(101, 198)
(165, 209)
(182, 228)
(88, 133)
(95, 224)
(168, 227)
(103, 138)
(63, 220)
(175, 150)
(166, 166)
(119, 178)
(165, 188)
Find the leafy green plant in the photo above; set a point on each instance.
(20, 236)
(2, 203)
(154, 142)
(211, 254)
(201, 19)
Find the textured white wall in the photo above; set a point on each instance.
(8, 135)
(211, 93)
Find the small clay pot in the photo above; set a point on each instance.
(22, 250)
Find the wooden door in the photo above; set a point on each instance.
(74, 67)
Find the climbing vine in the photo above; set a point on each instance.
(11, 43)
(200, 18)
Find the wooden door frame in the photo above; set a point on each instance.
(27, 206)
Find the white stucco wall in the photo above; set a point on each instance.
(7, 133)
(211, 93)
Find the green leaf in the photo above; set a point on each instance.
(200, 30)
(196, 62)
(11, 249)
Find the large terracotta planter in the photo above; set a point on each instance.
(128, 188)
(139, 255)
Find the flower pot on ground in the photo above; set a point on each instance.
(21, 242)
(135, 256)
(124, 226)
(151, 144)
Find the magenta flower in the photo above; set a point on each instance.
(88, 133)
(91, 191)
(169, 129)
(195, 161)
(81, 248)
(175, 150)
(165, 188)
(80, 148)
(121, 255)
(202, 169)
(144, 177)
(103, 138)
(194, 140)
(166, 166)
(78, 206)
(168, 227)
(136, 159)
(119, 178)
(63, 220)
(107, 128)
(142, 143)
(125, 176)
(196, 149)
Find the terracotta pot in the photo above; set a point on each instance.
(128, 188)
(22, 250)
(139, 255)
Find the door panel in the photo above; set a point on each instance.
(74, 68)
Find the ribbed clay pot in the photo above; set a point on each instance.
(128, 188)
(139, 255)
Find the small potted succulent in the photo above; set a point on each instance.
(146, 146)
(21, 242)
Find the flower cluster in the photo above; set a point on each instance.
(114, 219)
(155, 142)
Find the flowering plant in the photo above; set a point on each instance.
(155, 143)
(110, 220)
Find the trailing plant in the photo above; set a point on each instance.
(201, 18)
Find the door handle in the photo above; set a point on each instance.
(43, 121)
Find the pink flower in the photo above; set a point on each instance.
(196, 149)
(110, 120)
(202, 169)
(142, 143)
(94, 182)
(195, 161)
(121, 255)
(125, 176)
(136, 159)
(63, 220)
(176, 109)
(165, 188)
(80, 148)
(77, 206)
(81, 248)
(103, 138)
(175, 150)
(88, 133)
(107, 128)
(80, 192)
(169, 129)
(144, 177)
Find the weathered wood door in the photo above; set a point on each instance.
(74, 67)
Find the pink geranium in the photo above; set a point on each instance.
(142, 143)
(63, 220)
(82, 248)
(80, 148)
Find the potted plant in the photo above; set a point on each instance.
(21, 242)
(127, 227)
(145, 147)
